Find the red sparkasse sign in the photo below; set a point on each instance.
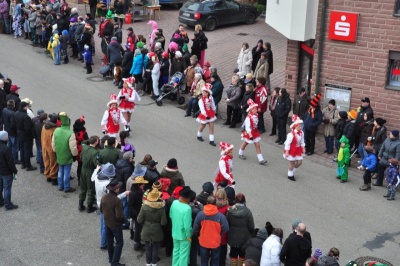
(343, 26)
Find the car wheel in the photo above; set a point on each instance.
(211, 24)
(365, 260)
(250, 18)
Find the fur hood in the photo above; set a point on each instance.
(154, 205)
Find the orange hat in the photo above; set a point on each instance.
(315, 100)
(352, 114)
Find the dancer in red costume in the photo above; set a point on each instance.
(127, 98)
(112, 118)
(224, 169)
(294, 146)
(207, 113)
(250, 134)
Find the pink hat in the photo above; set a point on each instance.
(113, 99)
(225, 147)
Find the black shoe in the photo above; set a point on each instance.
(120, 264)
(226, 123)
(291, 178)
(376, 184)
(23, 167)
(390, 198)
(329, 152)
(54, 182)
(272, 134)
(386, 196)
(103, 248)
(262, 131)
(325, 151)
(212, 143)
(343, 181)
(200, 138)
(278, 140)
(32, 168)
(81, 206)
(70, 190)
(48, 180)
(90, 208)
(282, 142)
(18, 162)
(12, 208)
(232, 126)
(338, 177)
(186, 115)
(309, 153)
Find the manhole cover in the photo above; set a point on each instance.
(95, 79)
(243, 34)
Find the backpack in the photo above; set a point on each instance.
(103, 26)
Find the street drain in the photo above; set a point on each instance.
(243, 34)
(95, 79)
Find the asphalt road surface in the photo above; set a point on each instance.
(47, 228)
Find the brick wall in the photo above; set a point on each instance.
(292, 65)
(362, 65)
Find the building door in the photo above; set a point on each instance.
(305, 68)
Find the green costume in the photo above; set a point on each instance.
(89, 157)
(64, 142)
(181, 218)
(109, 155)
(344, 157)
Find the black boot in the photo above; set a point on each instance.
(26, 36)
(90, 208)
(30, 36)
(81, 206)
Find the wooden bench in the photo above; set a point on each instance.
(154, 9)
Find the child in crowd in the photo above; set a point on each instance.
(369, 165)
(55, 45)
(88, 59)
(392, 178)
(344, 159)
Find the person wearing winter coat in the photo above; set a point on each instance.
(164, 68)
(241, 225)
(223, 205)
(272, 105)
(196, 207)
(368, 164)
(262, 67)
(340, 124)
(296, 249)
(195, 95)
(392, 178)
(135, 205)
(63, 143)
(24, 128)
(172, 172)
(31, 12)
(123, 171)
(248, 94)
(300, 103)
(233, 94)
(64, 46)
(127, 62)
(209, 225)
(253, 246)
(137, 67)
(312, 120)
(256, 53)
(152, 216)
(55, 45)
(389, 149)
(366, 127)
(207, 191)
(177, 64)
(190, 71)
(261, 98)
(217, 88)
(49, 156)
(282, 109)
(152, 175)
(330, 259)
(245, 60)
(270, 60)
(271, 249)
(203, 44)
(155, 74)
(378, 135)
(330, 118)
(350, 127)
(115, 52)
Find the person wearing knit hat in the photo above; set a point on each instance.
(250, 134)
(330, 117)
(207, 113)
(378, 136)
(171, 171)
(112, 118)
(389, 149)
(330, 259)
(350, 127)
(152, 174)
(127, 98)
(317, 254)
(256, 53)
(80, 136)
(207, 190)
(368, 164)
(181, 218)
(312, 120)
(294, 149)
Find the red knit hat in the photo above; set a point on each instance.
(176, 192)
(314, 102)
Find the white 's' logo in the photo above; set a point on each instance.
(342, 28)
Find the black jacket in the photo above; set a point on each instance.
(202, 197)
(247, 95)
(203, 40)
(126, 65)
(340, 128)
(115, 53)
(8, 120)
(295, 251)
(135, 202)
(151, 175)
(15, 97)
(37, 132)
(24, 125)
(7, 165)
(270, 60)
(282, 107)
(350, 131)
(3, 103)
(123, 170)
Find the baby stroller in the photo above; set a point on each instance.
(106, 71)
(173, 89)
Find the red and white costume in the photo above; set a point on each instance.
(225, 166)
(112, 118)
(207, 107)
(131, 97)
(250, 129)
(294, 149)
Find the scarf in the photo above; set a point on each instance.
(311, 111)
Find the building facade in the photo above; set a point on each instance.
(355, 53)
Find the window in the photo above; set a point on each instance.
(232, 5)
(394, 71)
(397, 9)
(219, 5)
(208, 7)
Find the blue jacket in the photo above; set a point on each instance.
(370, 162)
(391, 174)
(137, 66)
(312, 123)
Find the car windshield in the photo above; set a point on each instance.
(193, 6)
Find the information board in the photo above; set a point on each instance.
(341, 94)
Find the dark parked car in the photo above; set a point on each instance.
(212, 13)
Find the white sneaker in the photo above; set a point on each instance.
(262, 162)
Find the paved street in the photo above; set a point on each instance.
(47, 229)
